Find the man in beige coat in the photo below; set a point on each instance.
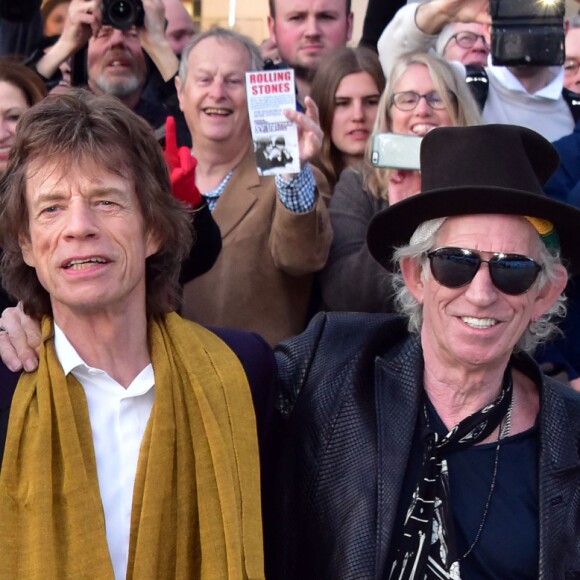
(276, 232)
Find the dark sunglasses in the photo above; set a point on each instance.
(510, 273)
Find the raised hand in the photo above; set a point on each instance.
(182, 166)
(309, 131)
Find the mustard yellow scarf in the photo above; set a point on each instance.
(196, 501)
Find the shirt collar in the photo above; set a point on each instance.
(68, 357)
(71, 362)
(553, 90)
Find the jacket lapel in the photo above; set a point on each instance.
(559, 469)
(398, 383)
(240, 194)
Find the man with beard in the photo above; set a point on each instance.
(305, 31)
(116, 59)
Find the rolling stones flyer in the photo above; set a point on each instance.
(275, 138)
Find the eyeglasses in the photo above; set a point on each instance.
(571, 66)
(510, 273)
(467, 39)
(408, 100)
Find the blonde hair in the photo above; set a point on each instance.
(448, 81)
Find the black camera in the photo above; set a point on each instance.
(123, 14)
(527, 32)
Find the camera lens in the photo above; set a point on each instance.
(123, 14)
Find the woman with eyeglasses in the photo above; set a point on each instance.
(347, 88)
(423, 92)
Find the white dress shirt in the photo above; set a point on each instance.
(118, 418)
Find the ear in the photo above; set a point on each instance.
(547, 297)
(272, 29)
(26, 248)
(413, 276)
(152, 244)
(349, 25)
(178, 88)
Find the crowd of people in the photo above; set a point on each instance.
(356, 371)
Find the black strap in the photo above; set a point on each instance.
(478, 83)
(573, 101)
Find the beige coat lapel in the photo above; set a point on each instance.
(239, 195)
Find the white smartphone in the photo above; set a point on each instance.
(396, 151)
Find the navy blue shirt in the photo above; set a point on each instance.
(508, 546)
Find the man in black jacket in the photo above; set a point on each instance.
(430, 445)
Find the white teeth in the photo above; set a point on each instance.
(422, 129)
(77, 264)
(479, 322)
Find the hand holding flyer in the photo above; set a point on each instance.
(275, 137)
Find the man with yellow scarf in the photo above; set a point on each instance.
(132, 451)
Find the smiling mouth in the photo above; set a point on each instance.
(479, 322)
(422, 128)
(84, 263)
(214, 111)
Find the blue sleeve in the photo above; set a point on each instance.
(258, 361)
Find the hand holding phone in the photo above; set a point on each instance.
(396, 151)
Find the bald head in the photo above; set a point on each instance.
(180, 25)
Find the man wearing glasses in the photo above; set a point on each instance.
(572, 62)
(466, 42)
(529, 96)
(429, 445)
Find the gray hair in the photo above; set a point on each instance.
(423, 240)
(225, 35)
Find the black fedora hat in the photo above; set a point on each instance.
(487, 169)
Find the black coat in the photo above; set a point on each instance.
(349, 397)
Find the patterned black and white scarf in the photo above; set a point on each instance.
(427, 549)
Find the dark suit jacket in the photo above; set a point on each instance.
(349, 397)
(254, 354)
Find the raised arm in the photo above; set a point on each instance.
(301, 232)
(84, 17)
(154, 42)
(415, 26)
